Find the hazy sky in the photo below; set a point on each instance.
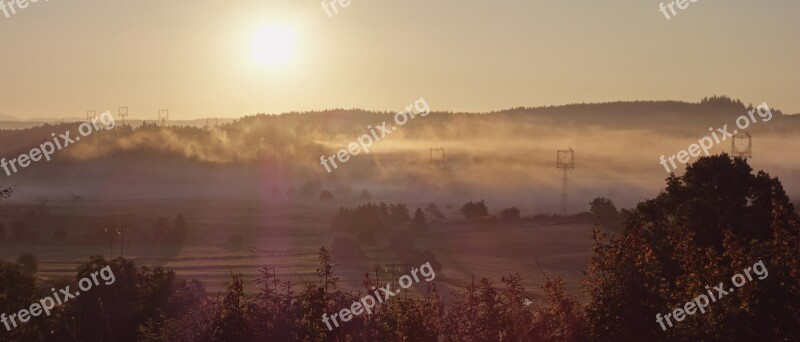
(62, 57)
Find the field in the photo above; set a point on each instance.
(286, 234)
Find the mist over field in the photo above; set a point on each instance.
(506, 157)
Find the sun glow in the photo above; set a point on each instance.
(273, 45)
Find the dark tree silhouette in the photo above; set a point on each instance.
(180, 228)
(510, 214)
(475, 210)
(418, 223)
(707, 225)
(399, 213)
(605, 214)
(433, 209)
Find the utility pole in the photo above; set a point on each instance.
(118, 230)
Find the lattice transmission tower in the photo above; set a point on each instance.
(565, 161)
(122, 112)
(163, 116)
(742, 145)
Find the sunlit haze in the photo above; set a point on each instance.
(228, 59)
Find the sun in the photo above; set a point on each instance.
(273, 45)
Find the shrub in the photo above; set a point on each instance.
(326, 195)
(510, 214)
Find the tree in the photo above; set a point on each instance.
(433, 209)
(418, 223)
(114, 310)
(510, 214)
(180, 228)
(605, 214)
(325, 272)
(707, 225)
(231, 317)
(310, 187)
(475, 210)
(18, 290)
(399, 213)
(365, 195)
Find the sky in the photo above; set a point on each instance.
(232, 58)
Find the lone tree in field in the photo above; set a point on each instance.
(713, 222)
(605, 214)
(475, 210)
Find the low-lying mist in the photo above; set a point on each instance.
(506, 158)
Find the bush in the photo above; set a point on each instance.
(510, 214)
(326, 195)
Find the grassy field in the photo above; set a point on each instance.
(286, 234)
